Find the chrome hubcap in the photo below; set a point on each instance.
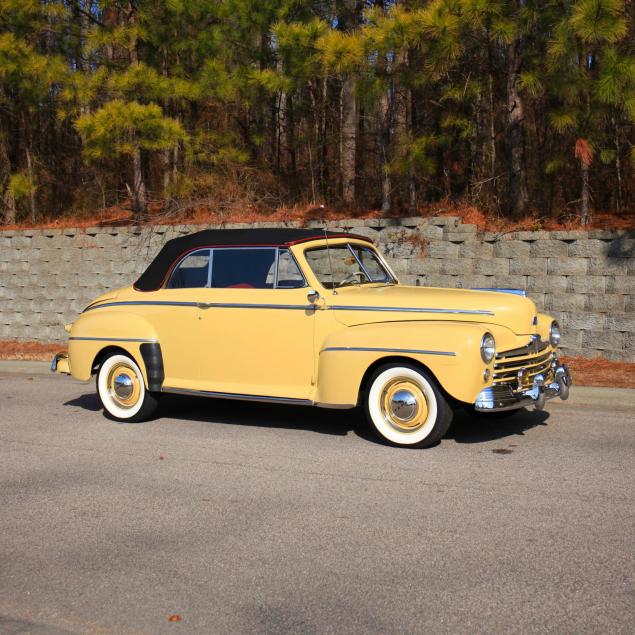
(123, 386)
(403, 405)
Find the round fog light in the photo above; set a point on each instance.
(486, 375)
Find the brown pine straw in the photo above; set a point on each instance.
(586, 372)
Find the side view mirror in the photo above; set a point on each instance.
(312, 296)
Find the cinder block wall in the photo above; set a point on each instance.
(584, 279)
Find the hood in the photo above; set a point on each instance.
(366, 304)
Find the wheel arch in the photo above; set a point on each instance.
(396, 360)
(149, 359)
(105, 352)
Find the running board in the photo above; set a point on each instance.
(239, 397)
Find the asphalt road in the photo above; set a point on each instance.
(245, 518)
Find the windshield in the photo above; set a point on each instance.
(344, 265)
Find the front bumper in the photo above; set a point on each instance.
(60, 364)
(503, 397)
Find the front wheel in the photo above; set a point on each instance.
(405, 406)
(122, 391)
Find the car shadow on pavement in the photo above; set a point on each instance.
(466, 427)
(479, 428)
(244, 413)
(88, 401)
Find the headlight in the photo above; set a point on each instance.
(554, 334)
(488, 348)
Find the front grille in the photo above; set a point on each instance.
(508, 364)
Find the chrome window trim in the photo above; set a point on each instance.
(276, 261)
(210, 269)
(346, 307)
(359, 262)
(187, 255)
(392, 280)
(375, 253)
(372, 349)
(305, 284)
(114, 339)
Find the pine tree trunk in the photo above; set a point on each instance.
(516, 162)
(9, 207)
(385, 135)
(348, 140)
(29, 169)
(492, 131)
(349, 14)
(618, 168)
(8, 202)
(585, 217)
(139, 193)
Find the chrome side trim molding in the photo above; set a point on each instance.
(205, 305)
(238, 305)
(371, 349)
(139, 303)
(342, 307)
(237, 396)
(113, 339)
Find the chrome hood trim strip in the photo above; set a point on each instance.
(520, 292)
(396, 309)
(369, 349)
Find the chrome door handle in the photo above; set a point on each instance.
(312, 296)
(203, 305)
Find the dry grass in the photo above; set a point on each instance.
(32, 351)
(241, 210)
(601, 372)
(586, 372)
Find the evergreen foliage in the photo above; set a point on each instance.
(515, 106)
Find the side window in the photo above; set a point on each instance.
(372, 266)
(243, 268)
(289, 275)
(191, 272)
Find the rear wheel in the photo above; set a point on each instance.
(405, 406)
(122, 391)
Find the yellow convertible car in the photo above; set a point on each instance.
(312, 318)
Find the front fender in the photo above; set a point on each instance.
(450, 350)
(92, 332)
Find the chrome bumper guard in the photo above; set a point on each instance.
(500, 398)
(59, 364)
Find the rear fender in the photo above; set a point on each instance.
(92, 333)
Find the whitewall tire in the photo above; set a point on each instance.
(405, 406)
(122, 390)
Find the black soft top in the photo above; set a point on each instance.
(153, 277)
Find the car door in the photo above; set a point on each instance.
(257, 325)
(174, 312)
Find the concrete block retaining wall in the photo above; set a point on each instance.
(586, 280)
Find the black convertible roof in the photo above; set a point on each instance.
(153, 277)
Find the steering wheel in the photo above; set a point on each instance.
(351, 278)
